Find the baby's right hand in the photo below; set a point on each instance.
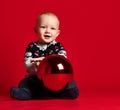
(37, 60)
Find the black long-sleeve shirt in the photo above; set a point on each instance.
(35, 50)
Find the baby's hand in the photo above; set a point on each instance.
(37, 60)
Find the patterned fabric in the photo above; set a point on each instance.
(31, 87)
(35, 50)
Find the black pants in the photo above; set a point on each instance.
(38, 90)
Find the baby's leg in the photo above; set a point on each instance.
(70, 92)
(22, 91)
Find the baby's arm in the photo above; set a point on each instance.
(37, 60)
(62, 51)
(31, 67)
(31, 64)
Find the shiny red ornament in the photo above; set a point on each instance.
(56, 72)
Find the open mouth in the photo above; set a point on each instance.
(47, 36)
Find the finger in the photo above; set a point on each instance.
(37, 63)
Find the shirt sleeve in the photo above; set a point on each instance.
(30, 66)
(62, 50)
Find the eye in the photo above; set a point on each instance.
(53, 28)
(43, 27)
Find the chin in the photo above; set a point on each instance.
(47, 42)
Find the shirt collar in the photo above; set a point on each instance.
(44, 46)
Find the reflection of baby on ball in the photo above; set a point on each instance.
(37, 84)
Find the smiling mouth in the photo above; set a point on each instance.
(47, 36)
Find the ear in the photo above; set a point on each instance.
(35, 29)
(58, 33)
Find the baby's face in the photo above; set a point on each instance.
(47, 29)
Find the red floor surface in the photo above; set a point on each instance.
(92, 101)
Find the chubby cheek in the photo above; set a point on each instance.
(54, 37)
(40, 32)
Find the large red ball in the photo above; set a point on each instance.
(56, 72)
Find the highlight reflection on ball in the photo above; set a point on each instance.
(56, 72)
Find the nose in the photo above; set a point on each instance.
(47, 30)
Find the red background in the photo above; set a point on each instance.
(89, 32)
